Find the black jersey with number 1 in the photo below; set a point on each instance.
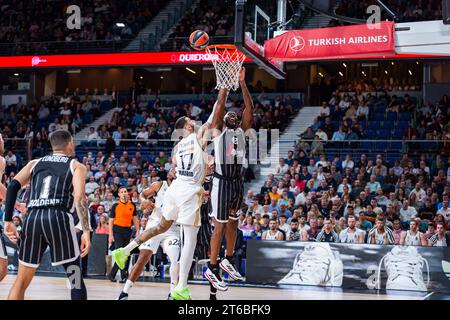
(51, 182)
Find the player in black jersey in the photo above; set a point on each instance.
(56, 182)
(228, 187)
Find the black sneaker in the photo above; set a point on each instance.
(213, 276)
(110, 278)
(212, 297)
(123, 296)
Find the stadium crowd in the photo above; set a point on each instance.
(313, 196)
(316, 196)
(405, 11)
(32, 25)
(215, 18)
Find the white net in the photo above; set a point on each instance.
(227, 61)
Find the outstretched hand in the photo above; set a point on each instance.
(242, 75)
(11, 232)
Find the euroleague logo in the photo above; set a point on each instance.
(297, 43)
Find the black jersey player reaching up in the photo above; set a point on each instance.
(228, 188)
(57, 182)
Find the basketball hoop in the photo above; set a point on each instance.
(227, 61)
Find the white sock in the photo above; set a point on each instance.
(130, 247)
(127, 286)
(174, 252)
(187, 253)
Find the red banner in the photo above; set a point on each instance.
(108, 59)
(356, 41)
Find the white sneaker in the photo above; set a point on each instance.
(215, 279)
(404, 268)
(228, 267)
(316, 265)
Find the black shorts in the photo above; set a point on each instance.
(48, 227)
(3, 253)
(226, 198)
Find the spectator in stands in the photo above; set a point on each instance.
(103, 227)
(440, 238)
(380, 234)
(407, 213)
(327, 234)
(11, 162)
(91, 186)
(272, 233)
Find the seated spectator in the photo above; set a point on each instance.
(102, 227)
(247, 227)
(373, 184)
(272, 233)
(380, 234)
(440, 238)
(256, 233)
(397, 230)
(317, 146)
(327, 234)
(407, 213)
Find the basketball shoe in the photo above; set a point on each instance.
(404, 268)
(212, 274)
(228, 267)
(316, 265)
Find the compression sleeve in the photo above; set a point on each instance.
(11, 195)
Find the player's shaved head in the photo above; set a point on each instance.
(60, 139)
(231, 120)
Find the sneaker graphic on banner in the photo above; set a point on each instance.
(316, 265)
(404, 267)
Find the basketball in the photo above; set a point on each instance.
(199, 40)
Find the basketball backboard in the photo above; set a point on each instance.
(255, 22)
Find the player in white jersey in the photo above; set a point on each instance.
(183, 199)
(169, 240)
(351, 234)
(413, 237)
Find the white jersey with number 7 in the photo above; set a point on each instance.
(191, 160)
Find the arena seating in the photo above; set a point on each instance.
(38, 27)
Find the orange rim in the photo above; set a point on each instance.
(222, 46)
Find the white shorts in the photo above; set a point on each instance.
(166, 240)
(3, 253)
(182, 203)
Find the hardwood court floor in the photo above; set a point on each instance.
(55, 288)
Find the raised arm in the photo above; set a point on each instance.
(247, 115)
(215, 120)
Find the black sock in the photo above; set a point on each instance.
(229, 258)
(75, 275)
(213, 266)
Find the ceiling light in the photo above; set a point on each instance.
(190, 70)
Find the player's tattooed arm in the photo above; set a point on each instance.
(247, 115)
(79, 190)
